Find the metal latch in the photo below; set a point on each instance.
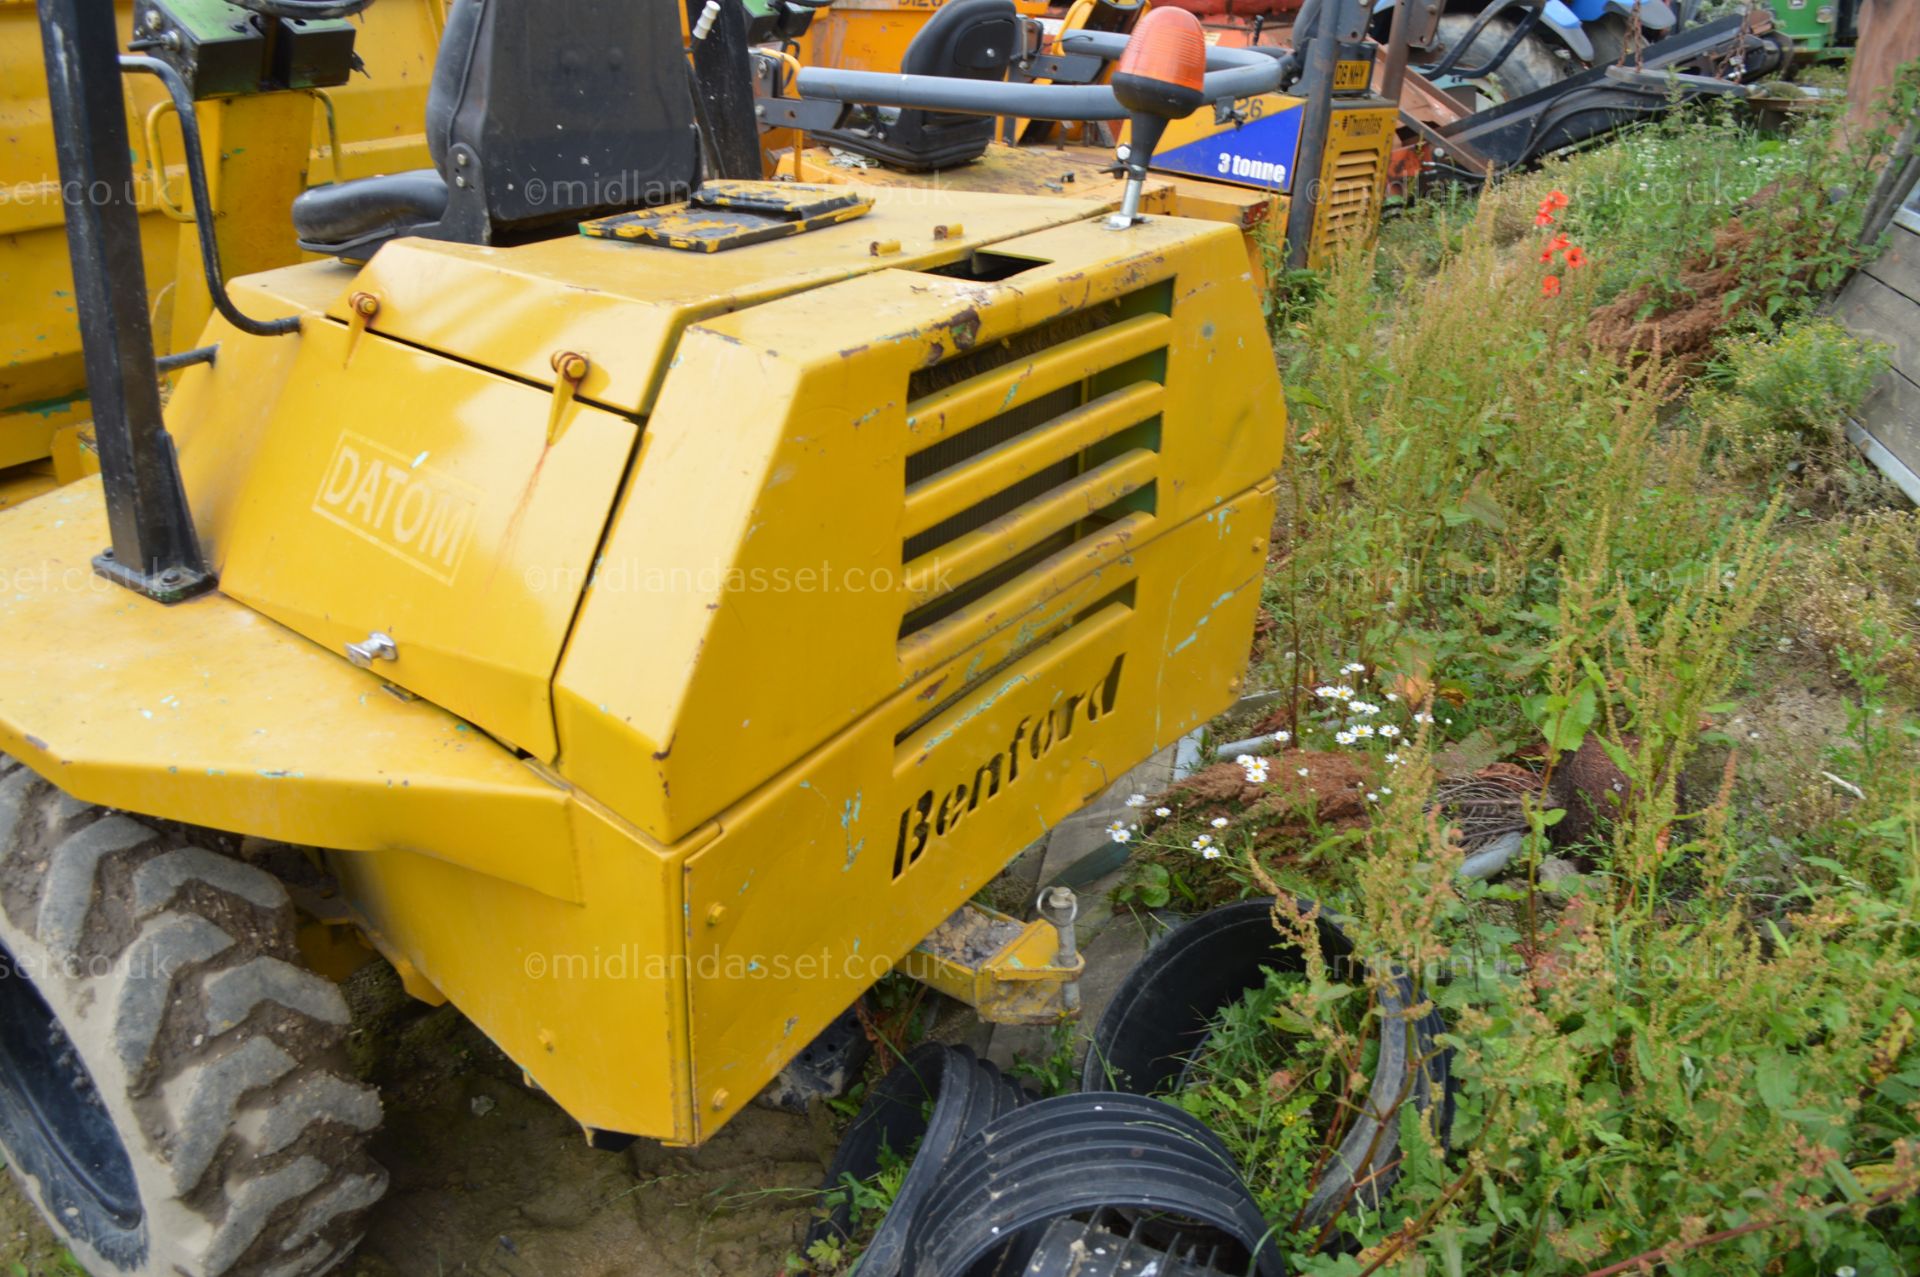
(375, 647)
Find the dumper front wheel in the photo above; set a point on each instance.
(168, 1091)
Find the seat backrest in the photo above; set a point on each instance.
(966, 39)
(545, 111)
(972, 39)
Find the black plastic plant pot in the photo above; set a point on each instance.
(1091, 1156)
(1157, 1023)
(935, 1097)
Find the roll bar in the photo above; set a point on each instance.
(1231, 73)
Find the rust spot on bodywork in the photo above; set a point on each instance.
(965, 328)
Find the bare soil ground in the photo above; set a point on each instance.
(490, 1177)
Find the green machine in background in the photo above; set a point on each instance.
(1819, 28)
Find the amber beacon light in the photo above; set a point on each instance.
(1160, 77)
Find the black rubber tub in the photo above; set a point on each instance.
(1095, 1155)
(1148, 1037)
(936, 1096)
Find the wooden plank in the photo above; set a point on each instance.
(1891, 414)
(1876, 312)
(1899, 267)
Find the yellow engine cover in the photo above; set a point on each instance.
(856, 561)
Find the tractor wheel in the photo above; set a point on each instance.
(1532, 64)
(166, 1094)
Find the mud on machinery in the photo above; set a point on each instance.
(642, 649)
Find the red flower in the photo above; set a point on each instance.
(1559, 242)
(1576, 258)
(1556, 200)
(1550, 286)
(1543, 217)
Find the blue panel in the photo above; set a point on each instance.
(1259, 153)
(1655, 15)
(1585, 10)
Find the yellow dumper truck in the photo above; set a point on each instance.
(644, 609)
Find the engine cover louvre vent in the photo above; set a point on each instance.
(1026, 452)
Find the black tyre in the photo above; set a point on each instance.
(168, 1095)
(1532, 65)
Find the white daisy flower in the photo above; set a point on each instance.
(1119, 832)
(1389, 730)
(1373, 797)
(1343, 738)
(1137, 800)
(1209, 853)
(1281, 738)
(1303, 771)
(1363, 707)
(1393, 758)
(1363, 730)
(1219, 822)
(1203, 842)
(1163, 812)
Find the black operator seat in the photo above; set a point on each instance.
(967, 39)
(540, 113)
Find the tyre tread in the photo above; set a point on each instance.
(215, 1044)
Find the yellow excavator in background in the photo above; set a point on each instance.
(262, 149)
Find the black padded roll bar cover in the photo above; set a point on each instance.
(567, 106)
